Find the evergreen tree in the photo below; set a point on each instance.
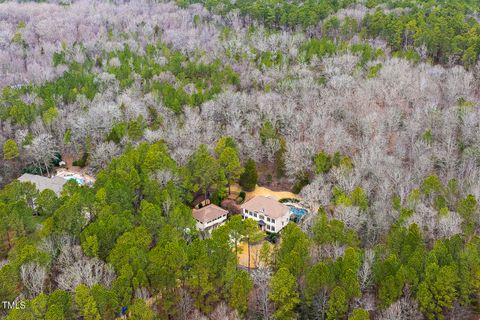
(248, 179)
(10, 150)
(230, 163)
(284, 294)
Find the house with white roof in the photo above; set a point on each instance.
(209, 217)
(41, 183)
(272, 216)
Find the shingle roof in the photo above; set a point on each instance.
(267, 206)
(55, 184)
(208, 213)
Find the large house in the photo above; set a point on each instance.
(209, 217)
(41, 183)
(271, 215)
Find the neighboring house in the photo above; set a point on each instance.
(55, 184)
(272, 216)
(209, 217)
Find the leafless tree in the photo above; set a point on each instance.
(261, 279)
(403, 309)
(223, 312)
(185, 304)
(33, 278)
(75, 268)
(41, 151)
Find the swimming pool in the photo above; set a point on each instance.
(78, 180)
(298, 212)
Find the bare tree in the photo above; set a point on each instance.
(403, 309)
(261, 279)
(33, 278)
(75, 268)
(41, 151)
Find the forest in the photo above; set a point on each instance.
(367, 110)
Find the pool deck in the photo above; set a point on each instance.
(64, 173)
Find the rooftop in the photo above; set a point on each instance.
(267, 206)
(55, 184)
(208, 213)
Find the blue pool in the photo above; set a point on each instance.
(80, 181)
(298, 212)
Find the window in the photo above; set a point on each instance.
(268, 219)
(255, 215)
(273, 228)
(262, 217)
(273, 220)
(268, 227)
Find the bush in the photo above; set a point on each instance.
(302, 180)
(57, 159)
(291, 200)
(81, 162)
(272, 237)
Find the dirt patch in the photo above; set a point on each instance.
(68, 159)
(254, 254)
(263, 191)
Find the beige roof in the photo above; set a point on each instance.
(55, 184)
(208, 213)
(267, 206)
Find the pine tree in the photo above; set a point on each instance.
(284, 294)
(10, 150)
(248, 180)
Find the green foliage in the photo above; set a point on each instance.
(284, 294)
(117, 132)
(331, 231)
(373, 71)
(318, 47)
(444, 30)
(248, 179)
(241, 287)
(207, 174)
(82, 162)
(293, 253)
(437, 293)
(206, 79)
(86, 303)
(10, 150)
(301, 181)
(359, 314)
(337, 305)
(468, 210)
(131, 249)
(359, 198)
(267, 131)
(230, 163)
(323, 162)
(136, 128)
(49, 115)
(140, 311)
(223, 143)
(47, 202)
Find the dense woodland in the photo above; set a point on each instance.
(368, 109)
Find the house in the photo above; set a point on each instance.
(272, 216)
(55, 184)
(209, 217)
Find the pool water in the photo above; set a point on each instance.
(298, 212)
(80, 181)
